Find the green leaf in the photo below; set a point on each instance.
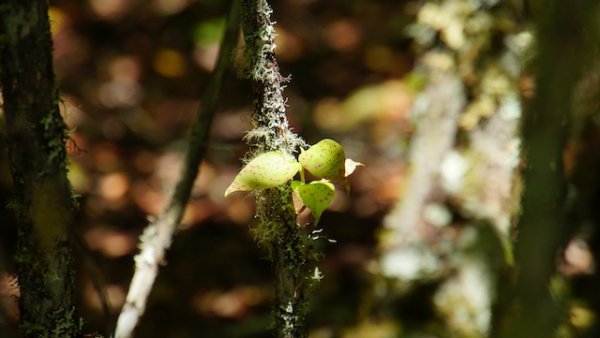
(324, 160)
(316, 196)
(266, 170)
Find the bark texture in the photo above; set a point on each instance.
(36, 138)
(276, 227)
(562, 48)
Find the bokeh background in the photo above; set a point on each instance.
(131, 73)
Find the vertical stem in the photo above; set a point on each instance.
(36, 138)
(276, 227)
(290, 254)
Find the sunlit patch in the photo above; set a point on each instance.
(234, 303)
(388, 102)
(207, 35)
(151, 201)
(465, 299)
(205, 178)
(578, 259)
(290, 46)
(105, 156)
(409, 263)
(205, 56)
(79, 177)
(581, 316)
(123, 89)
(114, 94)
(169, 63)
(125, 68)
(114, 186)
(343, 35)
(240, 210)
(58, 19)
(111, 243)
(437, 215)
(110, 9)
(196, 212)
(328, 114)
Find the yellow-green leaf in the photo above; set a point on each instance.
(324, 160)
(316, 196)
(266, 170)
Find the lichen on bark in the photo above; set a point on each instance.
(275, 225)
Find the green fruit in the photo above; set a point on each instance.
(266, 170)
(324, 160)
(316, 196)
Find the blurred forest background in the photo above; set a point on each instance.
(427, 94)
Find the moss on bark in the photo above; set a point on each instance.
(276, 227)
(36, 138)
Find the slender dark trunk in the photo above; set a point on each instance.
(562, 48)
(36, 138)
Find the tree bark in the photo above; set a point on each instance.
(44, 204)
(276, 227)
(562, 48)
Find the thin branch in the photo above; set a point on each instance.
(157, 237)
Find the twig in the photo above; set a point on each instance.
(157, 237)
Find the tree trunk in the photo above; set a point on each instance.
(36, 138)
(276, 227)
(562, 47)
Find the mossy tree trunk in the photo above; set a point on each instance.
(36, 138)
(276, 227)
